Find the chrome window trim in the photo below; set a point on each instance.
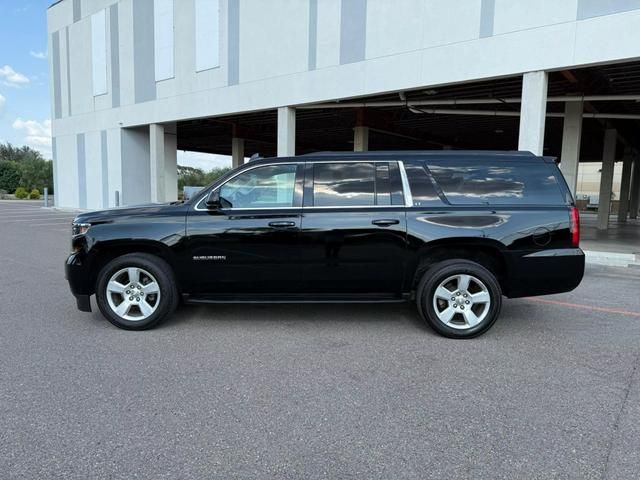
(408, 198)
(403, 175)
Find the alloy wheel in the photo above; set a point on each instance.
(133, 294)
(461, 301)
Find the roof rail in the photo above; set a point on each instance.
(510, 153)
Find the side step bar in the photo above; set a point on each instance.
(294, 298)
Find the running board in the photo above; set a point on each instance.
(294, 298)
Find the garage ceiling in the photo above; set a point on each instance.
(399, 127)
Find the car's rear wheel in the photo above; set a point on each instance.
(136, 291)
(459, 298)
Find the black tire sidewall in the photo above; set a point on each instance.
(442, 270)
(163, 275)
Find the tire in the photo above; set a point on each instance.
(470, 315)
(128, 308)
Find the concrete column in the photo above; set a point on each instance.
(156, 155)
(571, 137)
(286, 131)
(634, 196)
(606, 178)
(625, 184)
(533, 112)
(170, 163)
(361, 139)
(163, 163)
(237, 152)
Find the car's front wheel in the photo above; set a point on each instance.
(136, 291)
(459, 298)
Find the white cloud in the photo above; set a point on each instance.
(3, 101)
(204, 161)
(38, 55)
(38, 134)
(11, 78)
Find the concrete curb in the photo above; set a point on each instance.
(611, 259)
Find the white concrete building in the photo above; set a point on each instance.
(133, 80)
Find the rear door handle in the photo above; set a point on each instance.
(385, 222)
(282, 224)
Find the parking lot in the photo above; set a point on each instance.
(309, 391)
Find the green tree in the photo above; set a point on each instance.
(10, 175)
(18, 154)
(36, 174)
(196, 177)
(35, 170)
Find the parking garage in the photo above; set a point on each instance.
(592, 116)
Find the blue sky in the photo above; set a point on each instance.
(25, 109)
(24, 92)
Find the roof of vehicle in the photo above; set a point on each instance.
(409, 154)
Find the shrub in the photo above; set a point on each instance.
(35, 194)
(21, 193)
(3, 194)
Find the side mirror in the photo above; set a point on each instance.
(213, 200)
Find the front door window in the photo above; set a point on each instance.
(271, 186)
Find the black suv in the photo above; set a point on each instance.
(454, 231)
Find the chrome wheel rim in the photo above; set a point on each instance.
(133, 294)
(461, 301)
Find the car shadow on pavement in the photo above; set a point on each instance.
(401, 315)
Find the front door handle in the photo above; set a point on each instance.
(282, 224)
(385, 222)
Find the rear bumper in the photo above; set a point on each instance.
(544, 272)
(76, 273)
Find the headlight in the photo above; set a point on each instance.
(79, 228)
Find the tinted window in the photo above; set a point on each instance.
(343, 184)
(263, 187)
(422, 189)
(397, 195)
(383, 184)
(504, 183)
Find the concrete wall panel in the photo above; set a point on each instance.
(93, 167)
(114, 159)
(451, 21)
(89, 7)
(272, 43)
(394, 27)
(328, 33)
(144, 51)
(136, 174)
(80, 67)
(67, 186)
(56, 77)
(596, 8)
(125, 38)
(512, 16)
(612, 36)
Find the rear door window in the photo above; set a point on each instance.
(356, 184)
(499, 184)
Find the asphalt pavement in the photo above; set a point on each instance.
(309, 391)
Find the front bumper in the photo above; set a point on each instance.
(544, 272)
(77, 274)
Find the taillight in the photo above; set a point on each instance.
(575, 227)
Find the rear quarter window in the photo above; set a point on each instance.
(503, 183)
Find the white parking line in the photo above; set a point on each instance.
(50, 217)
(17, 212)
(33, 212)
(55, 223)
